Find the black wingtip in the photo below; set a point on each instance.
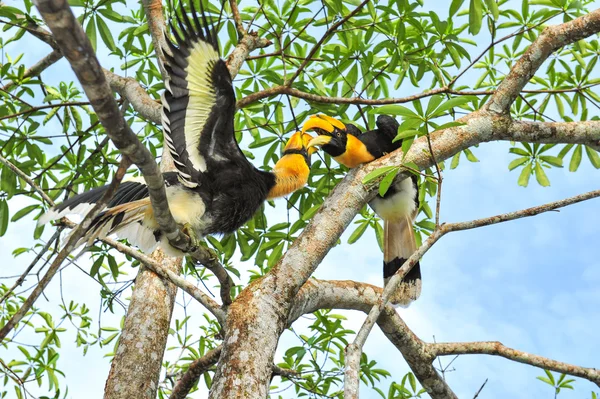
(187, 29)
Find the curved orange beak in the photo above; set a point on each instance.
(299, 141)
(323, 122)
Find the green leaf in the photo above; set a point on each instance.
(376, 173)
(358, 232)
(434, 101)
(593, 157)
(8, 182)
(310, 213)
(387, 181)
(394, 109)
(517, 162)
(105, 34)
(552, 160)
(406, 134)
(455, 161)
(493, 7)
(379, 234)
(96, 266)
(455, 6)
(413, 382)
(475, 16)
(3, 217)
(451, 103)
(90, 31)
(23, 212)
(470, 156)
(114, 268)
(524, 176)
(540, 175)
(576, 159)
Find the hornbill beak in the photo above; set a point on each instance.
(319, 141)
(325, 125)
(300, 141)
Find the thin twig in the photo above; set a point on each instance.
(42, 107)
(496, 348)
(480, 389)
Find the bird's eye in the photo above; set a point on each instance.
(338, 134)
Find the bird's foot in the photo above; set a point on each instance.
(194, 239)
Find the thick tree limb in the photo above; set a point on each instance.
(583, 132)
(135, 369)
(497, 349)
(202, 365)
(139, 99)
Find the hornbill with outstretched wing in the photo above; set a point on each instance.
(214, 189)
(398, 207)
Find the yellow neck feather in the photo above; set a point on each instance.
(291, 173)
(356, 153)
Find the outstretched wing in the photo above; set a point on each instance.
(199, 101)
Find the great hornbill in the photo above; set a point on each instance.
(214, 189)
(398, 207)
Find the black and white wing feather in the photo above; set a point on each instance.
(199, 101)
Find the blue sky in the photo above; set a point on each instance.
(531, 284)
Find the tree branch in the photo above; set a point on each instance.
(42, 107)
(156, 25)
(195, 370)
(38, 68)
(166, 273)
(277, 90)
(551, 39)
(496, 348)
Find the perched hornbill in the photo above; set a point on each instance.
(398, 207)
(214, 189)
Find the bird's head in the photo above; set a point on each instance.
(332, 134)
(338, 139)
